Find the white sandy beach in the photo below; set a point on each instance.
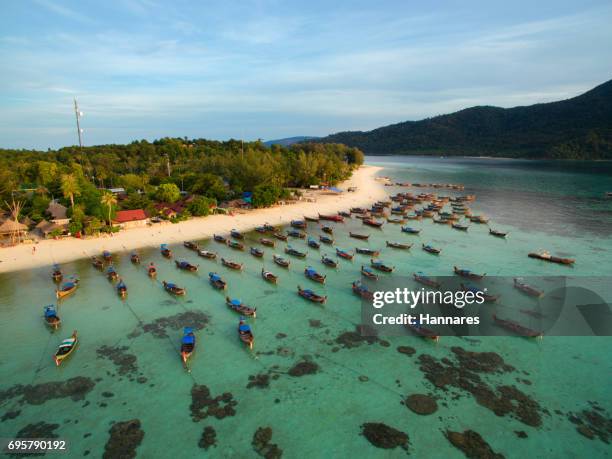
(58, 251)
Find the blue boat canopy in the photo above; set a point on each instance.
(244, 327)
(170, 285)
(214, 277)
(187, 330)
(236, 302)
(69, 285)
(310, 270)
(50, 311)
(188, 339)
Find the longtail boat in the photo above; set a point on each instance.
(488, 298)
(151, 270)
(219, 238)
(296, 233)
(460, 227)
(207, 254)
(188, 344)
(191, 245)
(280, 261)
(398, 245)
(426, 280)
(311, 296)
(245, 334)
(413, 216)
(111, 273)
(268, 227)
(135, 258)
(369, 273)
(56, 274)
(231, 264)
(171, 287)
(240, 307)
(267, 242)
(106, 255)
(326, 239)
(236, 234)
(51, 317)
(367, 251)
(344, 214)
(312, 274)
(478, 219)
(97, 263)
(311, 219)
(467, 273)
(344, 254)
(332, 218)
(497, 233)
(327, 229)
(280, 236)
(517, 328)
(216, 281)
(256, 252)
(267, 275)
(396, 220)
(312, 243)
(235, 245)
(67, 288)
(409, 230)
(261, 229)
(526, 288)
(361, 290)
(428, 248)
(423, 332)
(363, 237)
(165, 251)
(551, 258)
(66, 348)
(185, 265)
(358, 210)
(379, 265)
(294, 252)
(441, 221)
(372, 222)
(329, 261)
(300, 224)
(121, 288)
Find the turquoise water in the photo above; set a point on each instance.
(319, 415)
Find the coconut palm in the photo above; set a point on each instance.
(70, 188)
(108, 200)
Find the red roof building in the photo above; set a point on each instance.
(131, 218)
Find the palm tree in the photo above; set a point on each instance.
(70, 188)
(109, 200)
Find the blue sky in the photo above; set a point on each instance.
(271, 69)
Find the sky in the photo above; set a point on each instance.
(146, 69)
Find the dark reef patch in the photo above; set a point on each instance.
(208, 438)
(125, 437)
(472, 445)
(466, 374)
(262, 444)
(408, 350)
(204, 405)
(305, 367)
(593, 423)
(36, 394)
(196, 320)
(10, 415)
(125, 362)
(38, 430)
(356, 338)
(421, 404)
(261, 380)
(384, 436)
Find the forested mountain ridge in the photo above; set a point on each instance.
(576, 128)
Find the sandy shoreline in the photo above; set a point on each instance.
(60, 251)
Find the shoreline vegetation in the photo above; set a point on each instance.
(203, 187)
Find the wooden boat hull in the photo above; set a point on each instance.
(363, 237)
(268, 276)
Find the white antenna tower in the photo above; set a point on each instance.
(78, 115)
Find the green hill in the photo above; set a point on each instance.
(577, 128)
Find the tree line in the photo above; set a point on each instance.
(165, 170)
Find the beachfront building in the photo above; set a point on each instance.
(127, 219)
(57, 213)
(46, 228)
